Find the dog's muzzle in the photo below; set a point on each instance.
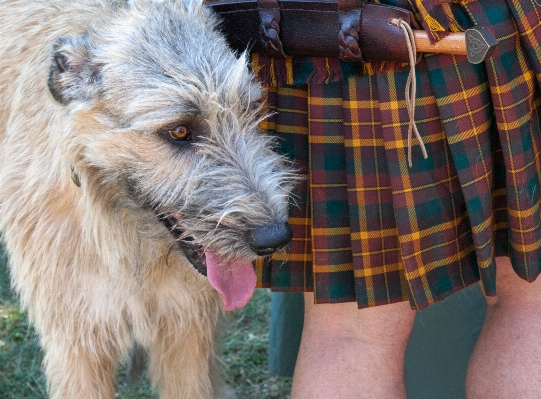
(263, 240)
(266, 240)
(235, 280)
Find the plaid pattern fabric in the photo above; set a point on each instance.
(370, 229)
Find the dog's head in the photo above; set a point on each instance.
(163, 123)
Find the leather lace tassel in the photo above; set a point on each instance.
(411, 86)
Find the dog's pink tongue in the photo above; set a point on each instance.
(236, 281)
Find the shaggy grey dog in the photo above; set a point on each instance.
(135, 187)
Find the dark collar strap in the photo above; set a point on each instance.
(74, 177)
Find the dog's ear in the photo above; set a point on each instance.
(73, 74)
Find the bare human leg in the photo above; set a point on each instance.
(506, 361)
(349, 353)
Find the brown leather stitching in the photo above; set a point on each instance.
(349, 14)
(269, 29)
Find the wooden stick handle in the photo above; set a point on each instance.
(454, 43)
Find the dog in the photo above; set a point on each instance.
(136, 189)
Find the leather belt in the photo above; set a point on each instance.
(353, 30)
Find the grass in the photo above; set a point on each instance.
(244, 352)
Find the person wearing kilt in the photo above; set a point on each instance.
(378, 230)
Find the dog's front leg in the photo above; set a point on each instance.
(80, 364)
(183, 363)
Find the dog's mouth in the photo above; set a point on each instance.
(235, 281)
(193, 252)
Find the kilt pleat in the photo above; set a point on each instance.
(369, 228)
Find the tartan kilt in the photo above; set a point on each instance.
(369, 228)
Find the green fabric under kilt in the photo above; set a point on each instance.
(370, 229)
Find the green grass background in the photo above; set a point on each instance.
(244, 352)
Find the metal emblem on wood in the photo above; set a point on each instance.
(480, 43)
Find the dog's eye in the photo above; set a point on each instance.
(180, 133)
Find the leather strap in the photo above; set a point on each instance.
(269, 29)
(313, 27)
(349, 16)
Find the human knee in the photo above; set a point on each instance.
(513, 291)
(379, 325)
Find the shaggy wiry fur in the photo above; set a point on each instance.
(89, 92)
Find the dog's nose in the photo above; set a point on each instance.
(265, 240)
